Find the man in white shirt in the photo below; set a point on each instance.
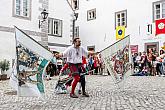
(74, 55)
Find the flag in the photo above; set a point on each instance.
(120, 32)
(30, 64)
(160, 26)
(117, 59)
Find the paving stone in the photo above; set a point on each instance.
(138, 93)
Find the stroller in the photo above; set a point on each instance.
(60, 87)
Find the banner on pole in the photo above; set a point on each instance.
(31, 61)
(120, 32)
(116, 58)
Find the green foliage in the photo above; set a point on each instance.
(4, 65)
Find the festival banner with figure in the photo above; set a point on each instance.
(31, 61)
(116, 58)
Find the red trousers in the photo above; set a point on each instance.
(74, 83)
(75, 70)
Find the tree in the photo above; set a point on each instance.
(4, 65)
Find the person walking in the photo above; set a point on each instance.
(74, 54)
(96, 64)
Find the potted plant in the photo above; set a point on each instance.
(4, 66)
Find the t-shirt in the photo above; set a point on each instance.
(138, 58)
(74, 55)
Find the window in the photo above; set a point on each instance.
(55, 27)
(91, 14)
(91, 48)
(121, 18)
(76, 31)
(158, 10)
(22, 8)
(75, 4)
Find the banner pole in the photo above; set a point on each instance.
(17, 63)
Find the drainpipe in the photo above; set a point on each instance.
(75, 15)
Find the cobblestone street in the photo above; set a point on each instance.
(139, 93)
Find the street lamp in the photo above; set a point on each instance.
(76, 16)
(44, 16)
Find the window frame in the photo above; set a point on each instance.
(161, 2)
(21, 16)
(119, 20)
(91, 11)
(51, 29)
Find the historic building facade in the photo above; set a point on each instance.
(54, 32)
(98, 19)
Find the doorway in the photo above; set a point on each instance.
(152, 45)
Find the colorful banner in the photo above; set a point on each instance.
(134, 48)
(116, 58)
(160, 26)
(120, 32)
(32, 59)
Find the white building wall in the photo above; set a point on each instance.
(8, 20)
(101, 31)
(7, 39)
(60, 9)
(57, 9)
(7, 48)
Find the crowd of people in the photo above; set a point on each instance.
(150, 63)
(75, 60)
(93, 64)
